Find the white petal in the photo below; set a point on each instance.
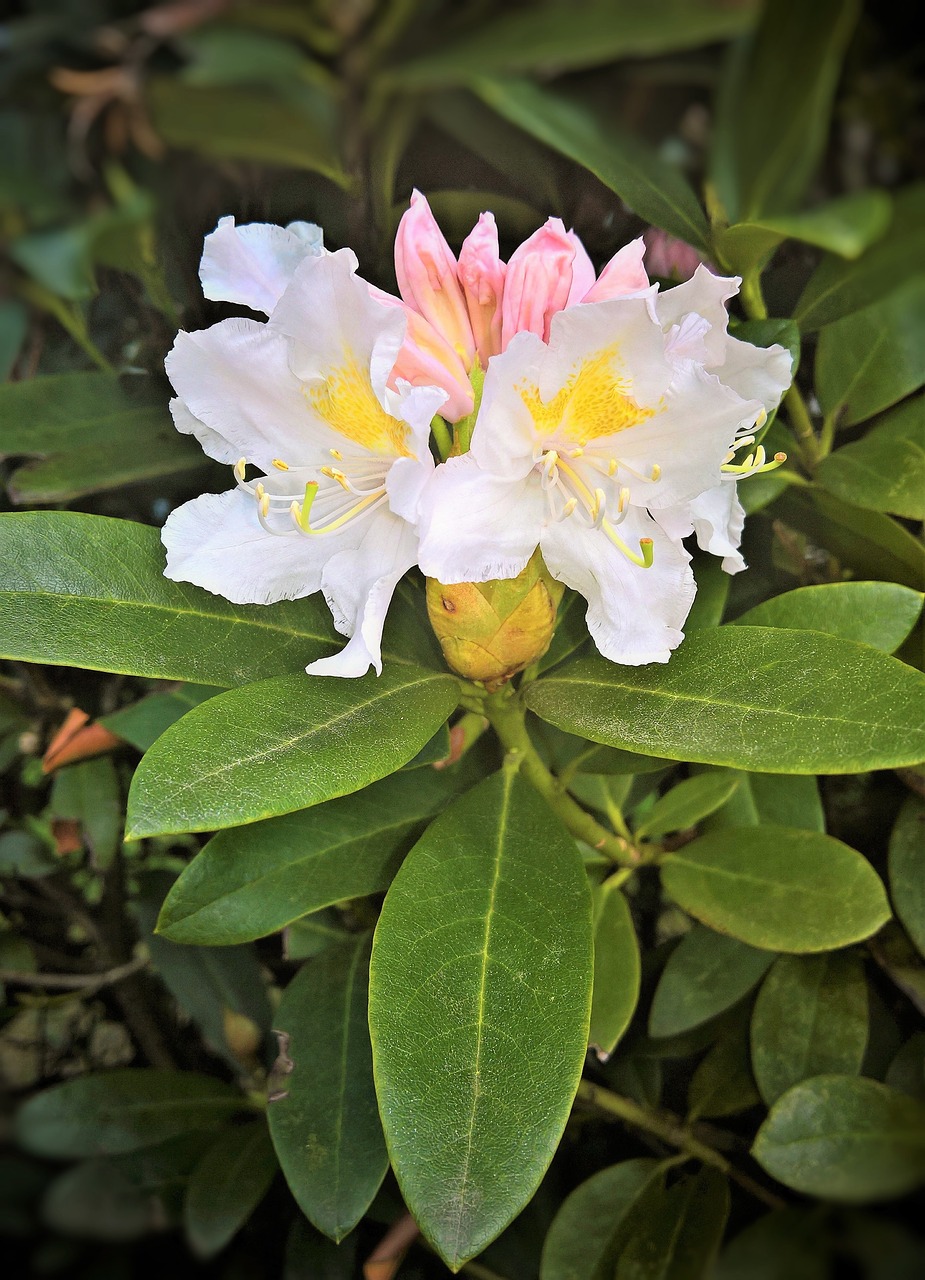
(217, 542)
(629, 326)
(719, 519)
(213, 444)
(405, 484)
(358, 584)
(254, 263)
(235, 378)
(635, 615)
(705, 295)
(475, 526)
(505, 435)
(756, 373)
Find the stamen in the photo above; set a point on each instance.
(597, 511)
(334, 474)
(567, 509)
(280, 465)
(336, 453)
(646, 552)
(301, 515)
(240, 469)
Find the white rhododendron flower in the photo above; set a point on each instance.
(309, 399)
(604, 446)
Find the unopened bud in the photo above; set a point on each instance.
(489, 631)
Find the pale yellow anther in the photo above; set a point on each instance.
(261, 493)
(336, 453)
(656, 471)
(264, 505)
(624, 499)
(569, 507)
(280, 465)
(240, 468)
(761, 419)
(334, 474)
(599, 499)
(612, 467)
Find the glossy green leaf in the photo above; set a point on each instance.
(792, 801)
(907, 869)
(880, 614)
(116, 1111)
(685, 804)
(785, 1242)
(482, 960)
(778, 888)
(722, 1083)
(869, 360)
(616, 969)
(844, 1138)
(226, 1187)
(548, 35)
(846, 226)
(325, 1126)
(90, 592)
(277, 746)
(821, 705)
(837, 288)
(774, 106)
(144, 721)
(885, 470)
(810, 1019)
(86, 432)
(251, 881)
(589, 1216)
(679, 1236)
(706, 974)
(653, 188)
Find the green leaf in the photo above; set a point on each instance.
(549, 36)
(722, 1083)
(325, 1126)
(616, 969)
(116, 1111)
(880, 614)
(589, 1216)
(846, 226)
(251, 881)
(774, 106)
(907, 869)
(310, 935)
(89, 793)
(712, 593)
(92, 431)
(869, 360)
(482, 960)
(685, 804)
(679, 1236)
(87, 591)
(248, 124)
(14, 325)
(884, 471)
(706, 974)
(810, 1019)
(845, 1139)
(778, 887)
(837, 288)
(144, 721)
(653, 188)
(821, 705)
(785, 1242)
(226, 1187)
(276, 746)
(787, 801)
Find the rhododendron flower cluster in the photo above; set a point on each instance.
(490, 410)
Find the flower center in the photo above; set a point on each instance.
(594, 402)
(352, 489)
(345, 400)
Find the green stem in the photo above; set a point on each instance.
(68, 316)
(443, 436)
(802, 427)
(752, 297)
(674, 1134)
(506, 715)
(827, 435)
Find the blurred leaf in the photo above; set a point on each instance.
(845, 1139)
(491, 912)
(616, 969)
(846, 226)
(326, 1127)
(14, 323)
(24, 854)
(722, 1083)
(712, 593)
(89, 793)
(561, 37)
(92, 430)
(778, 887)
(589, 1216)
(706, 704)
(251, 881)
(223, 55)
(810, 1019)
(706, 974)
(227, 1185)
(277, 746)
(906, 1071)
(654, 189)
(679, 1236)
(885, 470)
(248, 124)
(907, 869)
(869, 360)
(785, 1242)
(880, 614)
(116, 1111)
(310, 935)
(311, 1256)
(143, 722)
(838, 288)
(685, 804)
(775, 104)
(110, 608)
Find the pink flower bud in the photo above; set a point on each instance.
(426, 360)
(481, 273)
(548, 272)
(623, 275)
(427, 279)
(668, 257)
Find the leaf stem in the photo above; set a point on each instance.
(506, 714)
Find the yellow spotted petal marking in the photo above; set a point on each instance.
(594, 402)
(347, 403)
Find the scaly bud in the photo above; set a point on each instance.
(426, 270)
(489, 631)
